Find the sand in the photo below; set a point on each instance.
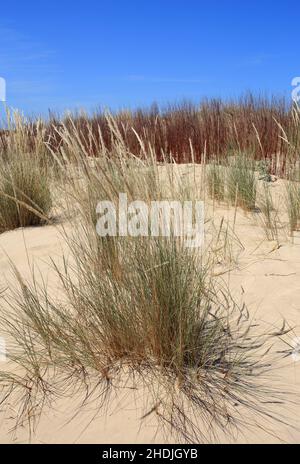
(266, 277)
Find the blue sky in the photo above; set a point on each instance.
(84, 54)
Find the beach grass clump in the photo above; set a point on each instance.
(293, 205)
(241, 182)
(216, 181)
(150, 316)
(264, 170)
(25, 197)
(24, 135)
(267, 212)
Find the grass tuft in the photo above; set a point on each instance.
(293, 205)
(25, 197)
(241, 182)
(216, 182)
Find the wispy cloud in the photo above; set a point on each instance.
(260, 59)
(253, 61)
(29, 86)
(17, 49)
(162, 79)
(28, 67)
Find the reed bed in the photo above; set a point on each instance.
(253, 125)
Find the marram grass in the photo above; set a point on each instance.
(148, 311)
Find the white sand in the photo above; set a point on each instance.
(266, 278)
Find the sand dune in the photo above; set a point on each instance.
(266, 277)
